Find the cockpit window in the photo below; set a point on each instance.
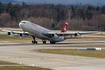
(22, 22)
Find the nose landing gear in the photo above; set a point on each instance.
(34, 42)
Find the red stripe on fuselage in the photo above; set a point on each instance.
(33, 24)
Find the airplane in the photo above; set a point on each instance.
(40, 32)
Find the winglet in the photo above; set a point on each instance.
(2, 29)
(64, 29)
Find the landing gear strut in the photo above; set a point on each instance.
(34, 42)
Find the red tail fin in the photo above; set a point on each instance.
(101, 30)
(64, 29)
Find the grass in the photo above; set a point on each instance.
(13, 30)
(18, 67)
(83, 46)
(86, 39)
(99, 54)
(7, 63)
(16, 38)
(6, 37)
(22, 68)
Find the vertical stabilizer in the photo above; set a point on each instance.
(64, 29)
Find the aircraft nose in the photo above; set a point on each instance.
(20, 24)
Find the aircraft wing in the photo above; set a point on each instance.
(73, 33)
(16, 32)
(49, 34)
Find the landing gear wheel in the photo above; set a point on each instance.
(44, 42)
(34, 42)
(52, 42)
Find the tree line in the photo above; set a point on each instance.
(53, 16)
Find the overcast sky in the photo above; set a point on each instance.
(67, 1)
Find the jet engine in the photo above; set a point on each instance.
(77, 35)
(58, 39)
(22, 35)
(54, 35)
(10, 34)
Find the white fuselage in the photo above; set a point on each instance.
(37, 31)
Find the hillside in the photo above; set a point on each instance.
(51, 16)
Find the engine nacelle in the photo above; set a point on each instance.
(22, 35)
(10, 34)
(54, 35)
(77, 35)
(59, 39)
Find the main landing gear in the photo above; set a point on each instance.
(34, 42)
(44, 42)
(52, 42)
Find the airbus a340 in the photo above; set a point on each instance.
(40, 32)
